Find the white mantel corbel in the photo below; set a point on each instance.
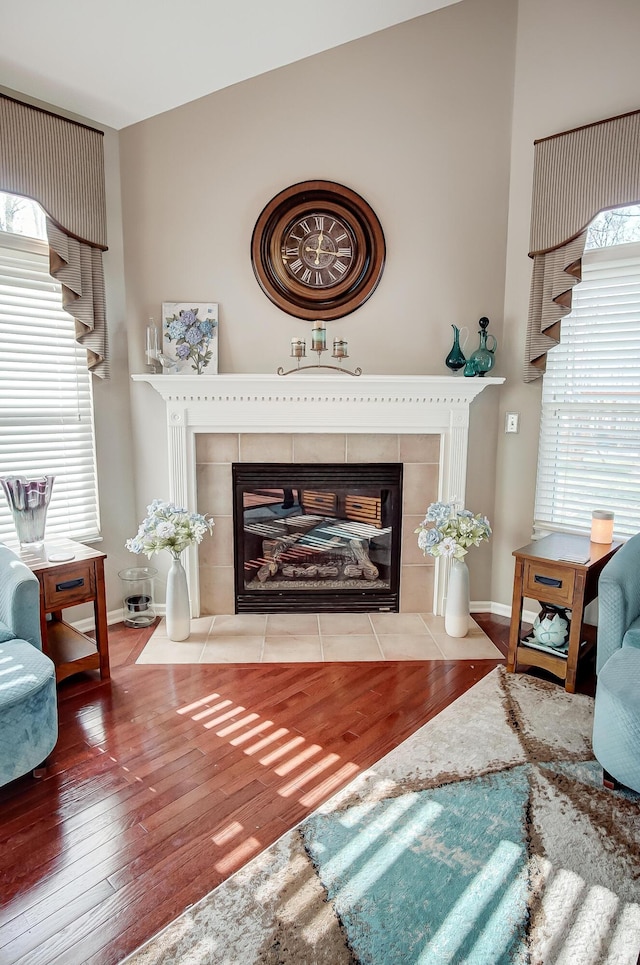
(313, 403)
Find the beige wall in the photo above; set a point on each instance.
(576, 62)
(116, 481)
(417, 119)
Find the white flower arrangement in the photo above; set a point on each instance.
(168, 527)
(447, 531)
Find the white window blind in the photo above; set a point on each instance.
(589, 454)
(46, 401)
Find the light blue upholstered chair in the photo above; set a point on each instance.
(28, 700)
(616, 722)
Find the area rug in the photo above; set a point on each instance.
(486, 837)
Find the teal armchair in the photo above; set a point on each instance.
(28, 700)
(616, 721)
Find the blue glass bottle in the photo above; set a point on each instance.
(455, 359)
(484, 356)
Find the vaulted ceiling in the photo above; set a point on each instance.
(120, 61)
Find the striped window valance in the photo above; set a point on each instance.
(60, 164)
(576, 175)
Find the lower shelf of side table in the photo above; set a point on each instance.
(71, 651)
(553, 660)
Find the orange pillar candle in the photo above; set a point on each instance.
(601, 526)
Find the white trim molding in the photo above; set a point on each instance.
(310, 403)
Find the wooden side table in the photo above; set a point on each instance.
(65, 584)
(562, 570)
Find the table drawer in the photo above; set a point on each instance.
(75, 585)
(549, 582)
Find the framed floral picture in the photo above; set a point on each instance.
(190, 337)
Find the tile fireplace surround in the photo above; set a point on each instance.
(213, 421)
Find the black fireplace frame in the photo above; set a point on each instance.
(386, 476)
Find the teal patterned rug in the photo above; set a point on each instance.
(486, 837)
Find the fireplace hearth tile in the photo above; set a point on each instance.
(419, 488)
(320, 447)
(215, 551)
(162, 651)
(296, 624)
(239, 625)
(341, 623)
(216, 447)
(412, 555)
(402, 646)
(351, 646)
(233, 649)
(215, 493)
(216, 589)
(346, 643)
(420, 448)
(411, 624)
(472, 647)
(292, 649)
(370, 447)
(266, 447)
(416, 588)
(200, 629)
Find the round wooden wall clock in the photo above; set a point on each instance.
(318, 250)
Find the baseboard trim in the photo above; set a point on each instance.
(476, 606)
(500, 609)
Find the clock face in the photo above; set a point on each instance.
(318, 250)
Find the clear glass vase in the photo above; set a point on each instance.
(28, 501)
(137, 595)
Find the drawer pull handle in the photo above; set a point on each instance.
(547, 580)
(69, 584)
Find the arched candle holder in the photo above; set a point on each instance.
(319, 345)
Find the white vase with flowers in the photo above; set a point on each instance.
(168, 527)
(448, 532)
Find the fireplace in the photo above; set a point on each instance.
(292, 416)
(316, 537)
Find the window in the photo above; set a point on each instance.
(46, 400)
(590, 428)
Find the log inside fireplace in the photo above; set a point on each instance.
(317, 537)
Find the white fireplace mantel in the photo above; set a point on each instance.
(313, 403)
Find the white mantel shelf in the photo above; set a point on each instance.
(317, 403)
(314, 403)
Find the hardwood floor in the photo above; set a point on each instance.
(167, 779)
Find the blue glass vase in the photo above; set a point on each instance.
(484, 358)
(455, 359)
